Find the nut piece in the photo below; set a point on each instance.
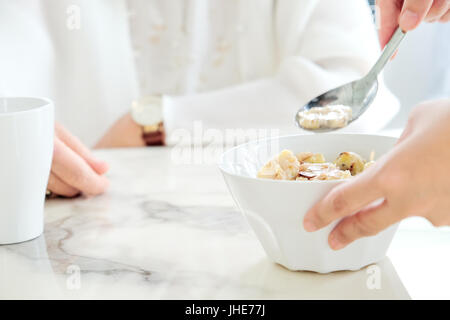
(335, 175)
(306, 174)
(350, 161)
(321, 171)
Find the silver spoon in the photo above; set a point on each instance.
(358, 94)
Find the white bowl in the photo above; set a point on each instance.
(275, 209)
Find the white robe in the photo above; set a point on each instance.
(229, 63)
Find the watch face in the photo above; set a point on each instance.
(147, 111)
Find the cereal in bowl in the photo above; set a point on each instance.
(308, 166)
(284, 166)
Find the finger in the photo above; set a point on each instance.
(437, 10)
(345, 199)
(409, 128)
(76, 145)
(389, 11)
(413, 12)
(367, 222)
(75, 171)
(59, 187)
(445, 17)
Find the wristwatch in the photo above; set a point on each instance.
(147, 112)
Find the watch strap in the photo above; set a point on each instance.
(154, 135)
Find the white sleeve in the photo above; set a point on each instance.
(337, 44)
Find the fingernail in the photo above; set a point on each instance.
(335, 244)
(309, 226)
(408, 20)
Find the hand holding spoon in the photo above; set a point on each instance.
(357, 95)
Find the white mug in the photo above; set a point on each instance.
(26, 150)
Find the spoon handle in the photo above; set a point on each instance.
(387, 53)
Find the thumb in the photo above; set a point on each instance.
(413, 12)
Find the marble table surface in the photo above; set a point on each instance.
(170, 230)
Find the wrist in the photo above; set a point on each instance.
(124, 133)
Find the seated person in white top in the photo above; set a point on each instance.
(230, 64)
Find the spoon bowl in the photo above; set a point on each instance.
(359, 94)
(355, 94)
